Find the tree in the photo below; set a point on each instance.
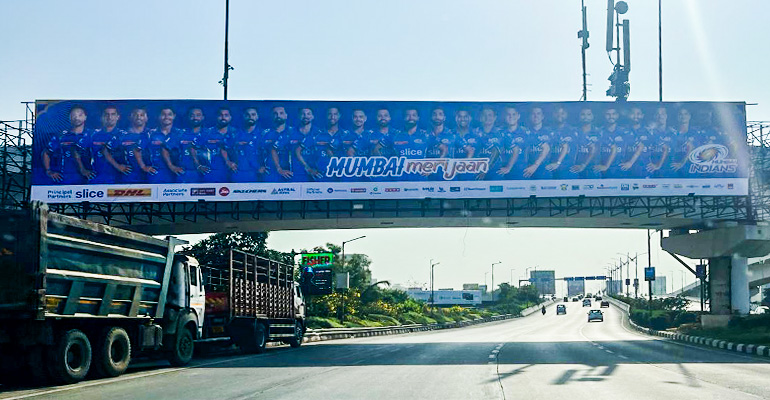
(215, 249)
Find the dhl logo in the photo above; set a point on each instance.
(145, 192)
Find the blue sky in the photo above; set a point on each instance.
(395, 50)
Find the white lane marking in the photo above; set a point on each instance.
(610, 351)
(622, 356)
(492, 356)
(495, 351)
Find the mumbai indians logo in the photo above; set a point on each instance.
(398, 166)
(712, 158)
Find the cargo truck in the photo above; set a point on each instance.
(79, 299)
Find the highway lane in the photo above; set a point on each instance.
(534, 357)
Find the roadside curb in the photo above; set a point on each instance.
(316, 335)
(697, 340)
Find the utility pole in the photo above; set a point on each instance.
(228, 67)
(493, 279)
(583, 34)
(431, 281)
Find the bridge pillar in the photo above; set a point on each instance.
(727, 249)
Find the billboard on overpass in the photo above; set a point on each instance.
(193, 150)
(575, 288)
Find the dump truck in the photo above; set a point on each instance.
(81, 299)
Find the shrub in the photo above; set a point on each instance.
(322, 323)
(385, 320)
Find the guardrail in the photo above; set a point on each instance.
(704, 341)
(314, 335)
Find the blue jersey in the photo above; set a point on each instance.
(305, 144)
(129, 143)
(535, 143)
(682, 144)
(560, 137)
(101, 140)
(385, 140)
(661, 140)
(327, 146)
(411, 146)
(280, 142)
(182, 148)
(211, 143)
(65, 147)
(708, 136)
(357, 144)
(436, 141)
(157, 143)
(472, 140)
(245, 150)
(634, 139)
(515, 140)
(613, 139)
(491, 147)
(585, 143)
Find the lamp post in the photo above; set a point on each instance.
(512, 276)
(431, 280)
(342, 313)
(493, 279)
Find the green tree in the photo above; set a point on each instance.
(215, 249)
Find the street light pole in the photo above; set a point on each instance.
(512, 276)
(493, 279)
(431, 281)
(342, 313)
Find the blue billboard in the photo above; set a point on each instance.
(240, 150)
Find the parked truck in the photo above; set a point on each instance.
(79, 299)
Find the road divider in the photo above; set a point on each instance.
(697, 340)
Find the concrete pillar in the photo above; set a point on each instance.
(719, 281)
(739, 285)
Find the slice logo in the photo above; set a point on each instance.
(224, 191)
(143, 192)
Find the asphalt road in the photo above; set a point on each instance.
(537, 357)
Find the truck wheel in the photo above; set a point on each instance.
(70, 358)
(258, 341)
(113, 353)
(296, 341)
(182, 348)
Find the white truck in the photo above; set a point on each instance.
(80, 299)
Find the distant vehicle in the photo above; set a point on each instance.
(595, 315)
(574, 299)
(761, 310)
(597, 298)
(561, 309)
(587, 303)
(604, 304)
(566, 299)
(589, 295)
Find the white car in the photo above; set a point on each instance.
(761, 310)
(595, 315)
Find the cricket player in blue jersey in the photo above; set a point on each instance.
(636, 154)
(104, 149)
(212, 145)
(661, 144)
(490, 145)
(588, 147)
(612, 145)
(71, 152)
(356, 142)
(186, 151)
(441, 140)
(563, 139)
(276, 142)
(131, 144)
(159, 147)
(683, 144)
(246, 150)
(412, 142)
(465, 140)
(303, 146)
(381, 140)
(329, 143)
(514, 143)
(538, 146)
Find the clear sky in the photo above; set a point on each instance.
(395, 50)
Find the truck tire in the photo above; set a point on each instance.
(182, 347)
(258, 341)
(70, 357)
(299, 332)
(112, 353)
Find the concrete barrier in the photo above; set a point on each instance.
(709, 342)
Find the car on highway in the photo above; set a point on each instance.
(574, 299)
(595, 315)
(604, 304)
(587, 303)
(566, 299)
(598, 297)
(561, 309)
(761, 310)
